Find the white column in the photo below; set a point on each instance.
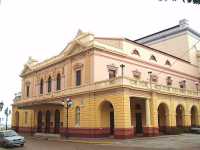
(148, 113)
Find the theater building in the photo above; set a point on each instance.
(116, 86)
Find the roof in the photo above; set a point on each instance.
(181, 27)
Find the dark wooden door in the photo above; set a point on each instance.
(17, 121)
(57, 121)
(112, 122)
(138, 117)
(39, 120)
(48, 121)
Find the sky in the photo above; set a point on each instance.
(42, 28)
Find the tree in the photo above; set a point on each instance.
(193, 1)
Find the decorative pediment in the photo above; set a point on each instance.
(82, 41)
(78, 66)
(26, 69)
(27, 66)
(136, 74)
(112, 67)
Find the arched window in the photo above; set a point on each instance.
(136, 52)
(58, 87)
(27, 91)
(153, 58)
(167, 63)
(49, 84)
(77, 117)
(41, 86)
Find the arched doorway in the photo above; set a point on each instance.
(57, 121)
(180, 112)
(39, 122)
(194, 116)
(107, 116)
(16, 121)
(163, 117)
(48, 121)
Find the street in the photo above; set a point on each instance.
(172, 142)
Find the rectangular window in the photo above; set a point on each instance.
(26, 117)
(78, 77)
(27, 90)
(112, 74)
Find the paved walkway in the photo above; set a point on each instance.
(169, 142)
(182, 142)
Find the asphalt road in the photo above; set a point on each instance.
(179, 142)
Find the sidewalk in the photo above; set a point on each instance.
(105, 140)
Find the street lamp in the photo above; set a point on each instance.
(7, 113)
(122, 69)
(1, 105)
(197, 87)
(69, 104)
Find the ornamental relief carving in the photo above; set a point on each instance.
(112, 67)
(78, 66)
(136, 74)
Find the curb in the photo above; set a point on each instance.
(76, 141)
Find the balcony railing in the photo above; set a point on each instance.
(118, 82)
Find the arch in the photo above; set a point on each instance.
(167, 63)
(39, 122)
(107, 116)
(153, 58)
(136, 52)
(48, 121)
(16, 121)
(57, 121)
(163, 117)
(49, 84)
(180, 116)
(77, 116)
(58, 83)
(41, 86)
(194, 116)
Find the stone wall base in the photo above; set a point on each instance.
(151, 131)
(119, 133)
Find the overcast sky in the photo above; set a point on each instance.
(42, 28)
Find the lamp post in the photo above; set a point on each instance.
(1, 105)
(7, 113)
(122, 69)
(69, 104)
(150, 80)
(197, 87)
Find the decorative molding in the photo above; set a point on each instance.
(168, 63)
(153, 58)
(135, 52)
(78, 66)
(169, 81)
(136, 74)
(154, 78)
(112, 67)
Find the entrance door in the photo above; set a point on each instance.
(17, 121)
(39, 128)
(48, 119)
(57, 121)
(112, 124)
(139, 128)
